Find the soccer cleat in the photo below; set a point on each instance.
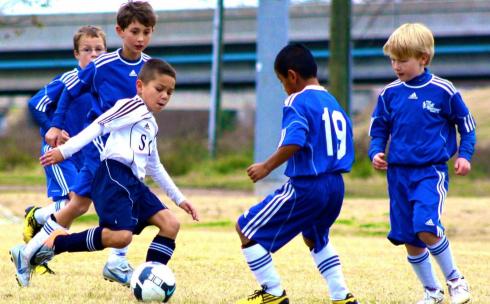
(459, 291)
(349, 299)
(31, 226)
(261, 296)
(432, 297)
(43, 269)
(120, 273)
(46, 252)
(23, 270)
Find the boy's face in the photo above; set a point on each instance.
(407, 69)
(290, 82)
(136, 37)
(157, 92)
(88, 49)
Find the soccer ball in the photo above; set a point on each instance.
(153, 281)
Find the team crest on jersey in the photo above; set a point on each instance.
(429, 106)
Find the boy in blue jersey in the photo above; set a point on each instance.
(110, 77)
(418, 113)
(88, 43)
(316, 141)
(124, 204)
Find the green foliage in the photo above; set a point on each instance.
(11, 157)
(182, 155)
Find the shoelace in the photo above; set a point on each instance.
(256, 294)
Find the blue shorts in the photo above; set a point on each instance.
(122, 201)
(61, 178)
(91, 157)
(307, 205)
(417, 196)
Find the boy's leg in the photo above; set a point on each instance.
(420, 261)
(162, 247)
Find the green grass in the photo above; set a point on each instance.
(210, 267)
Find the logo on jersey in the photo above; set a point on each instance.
(413, 96)
(147, 126)
(429, 106)
(133, 74)
(430, 223)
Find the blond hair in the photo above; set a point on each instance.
(88, 31)
(410, 40)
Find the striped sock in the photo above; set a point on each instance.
(38, 240)
(42, 215)
(160, 250)
(88, 240)
(441, 251)
(260, 262)
(328, 263)
(425, 272)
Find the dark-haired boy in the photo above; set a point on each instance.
(316, 141)
(124, 204)
(110, 77)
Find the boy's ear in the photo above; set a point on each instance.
(119, 30)
(292, 76)
(139, 85)
(425, 58)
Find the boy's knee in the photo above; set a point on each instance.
(117, 239)
(173, 226)
(80, 205)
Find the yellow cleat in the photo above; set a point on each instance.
(31, 226)
(261, 296)
(349, 299)
(43, 269)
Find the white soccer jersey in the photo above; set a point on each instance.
(132, 141)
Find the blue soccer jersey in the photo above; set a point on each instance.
(314, 120)
(421, 116)
(109, 77)
(43, 105)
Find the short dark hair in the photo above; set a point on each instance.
(140, 11)
(296, 57)
(154, 67)
(89, 31)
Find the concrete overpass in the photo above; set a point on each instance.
(35, 48)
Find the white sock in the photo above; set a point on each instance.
(441, 251)
(328, 263)
(425, 272)
(41, 215)
(38, 240)
(117, 255)
(260, 262)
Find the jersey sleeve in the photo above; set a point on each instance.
(76, 143)
(379, 129)
(75, 84)
(465, 122)
(155, 169)
(43, 101)
(294, 127)
(125, 112)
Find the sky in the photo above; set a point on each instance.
(19, 7)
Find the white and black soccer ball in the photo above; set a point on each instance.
(153, 281)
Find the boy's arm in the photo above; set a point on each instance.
(462, 117)
(379, 129)
(158, 173)
(258, 171)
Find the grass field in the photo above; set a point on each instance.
(210, 268)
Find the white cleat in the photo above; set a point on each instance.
(120, 273)
(432, 297)
(23, 269)
(459, 291)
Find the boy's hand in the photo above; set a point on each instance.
(462, 166)
(64, 136)
(187, 206)
(379, 162)
(51, 157)
(52, 136)
(257, 172)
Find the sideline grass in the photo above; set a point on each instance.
(210, 268)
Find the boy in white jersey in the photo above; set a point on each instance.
(110, 77)
(125, 205)
(419, 113)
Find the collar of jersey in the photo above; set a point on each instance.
(314, 87)
(420, 80)
(128, 62)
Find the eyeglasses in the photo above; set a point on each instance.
(97, 50)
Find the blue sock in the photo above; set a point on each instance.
(441, 251)
(160, 250)
(88, 240)
(425, 272)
